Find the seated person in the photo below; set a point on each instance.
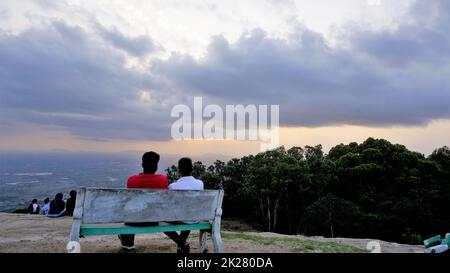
(146, 180)
(70, 203)
(186, 182)
(57, 206)
(46, 206)
(33, 208)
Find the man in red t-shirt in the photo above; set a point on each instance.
(146, 180)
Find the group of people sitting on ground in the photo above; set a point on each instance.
(56, 208)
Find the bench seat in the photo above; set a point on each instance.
(103, 211)
(115, 229)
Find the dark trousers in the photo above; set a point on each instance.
(127, 240)
(180, 239)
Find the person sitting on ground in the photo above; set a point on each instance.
(146, 180)
(186, 182)
(57, 206)
(33, 208)
(70, 203)
(46, 206)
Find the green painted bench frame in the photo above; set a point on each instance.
(100, 211)
(92, 230)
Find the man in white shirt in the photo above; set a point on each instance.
(186, 182)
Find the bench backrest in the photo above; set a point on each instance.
(100, 205)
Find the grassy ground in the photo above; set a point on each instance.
(299, 245)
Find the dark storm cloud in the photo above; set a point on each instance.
(384, 78)
(423, 42)
(137, 46)
(77, 80)
(64, 77)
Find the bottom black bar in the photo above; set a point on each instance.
(232, 262)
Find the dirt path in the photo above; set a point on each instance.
(35, 233)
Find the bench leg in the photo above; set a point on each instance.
(217, 238)
(202, 240)
(74, 246)
(217, 241)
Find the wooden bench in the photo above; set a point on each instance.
(100, 211)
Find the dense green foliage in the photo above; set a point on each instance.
(375, 189)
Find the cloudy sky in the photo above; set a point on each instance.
(103, 75)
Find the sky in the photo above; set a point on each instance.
(103, 75)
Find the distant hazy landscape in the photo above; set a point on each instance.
(40, 175)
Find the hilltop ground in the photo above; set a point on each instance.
(36, 233)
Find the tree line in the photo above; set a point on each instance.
(375, 189)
